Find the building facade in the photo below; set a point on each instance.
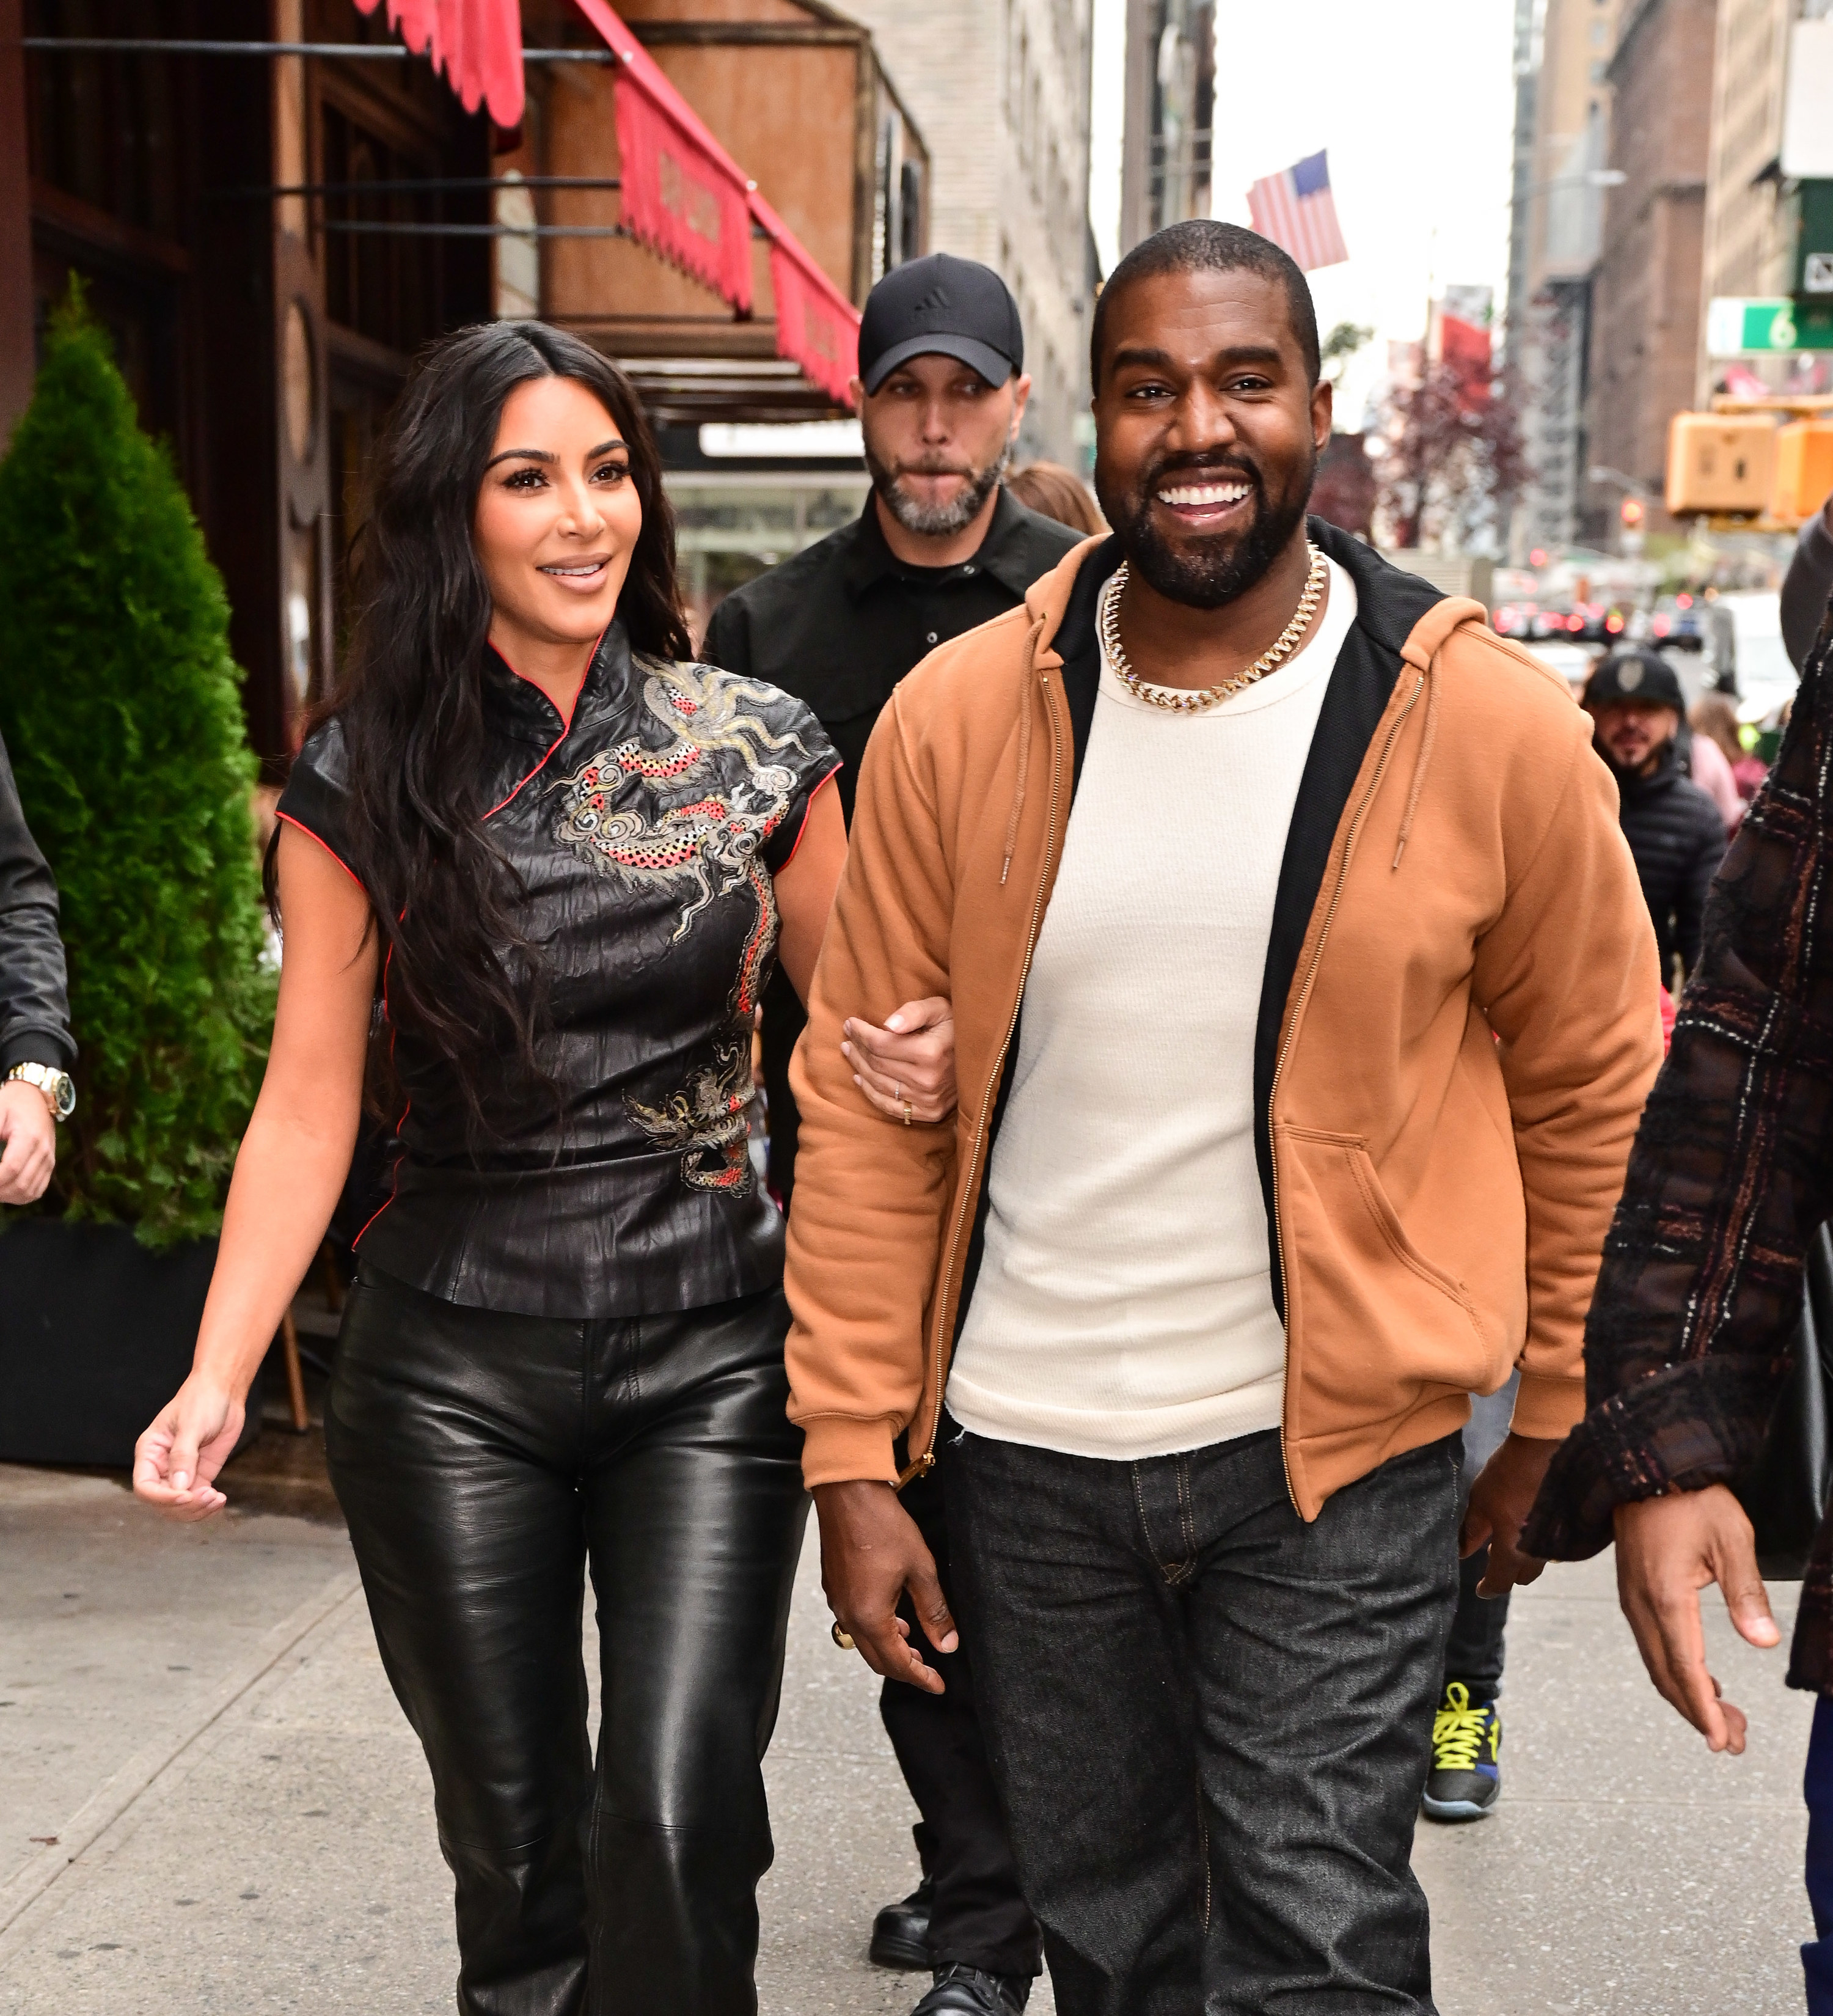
(1748, 247)
(1645, 321)
(1002, 96)
(1170, 96)
(1562, 129)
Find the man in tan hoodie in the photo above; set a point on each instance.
(1305, 1004)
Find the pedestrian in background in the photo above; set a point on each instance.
(1191, 1297)
(1713, 719)
(36, 1049)
(1675, 831)
(1698, 1303)
(568, 856)
(1711, 731)
(1055, 492)
(941, 547)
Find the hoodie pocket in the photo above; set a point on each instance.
(1373, 1319)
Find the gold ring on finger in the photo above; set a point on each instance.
(909, 1112)
(841, 1638)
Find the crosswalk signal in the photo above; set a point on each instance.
(1631, 513)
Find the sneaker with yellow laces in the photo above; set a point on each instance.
(1466, 1777)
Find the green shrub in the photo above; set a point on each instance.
(119, 706)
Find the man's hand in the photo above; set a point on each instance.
(870, 1553)
(28, 1143)
(1500, 1502)
(1667, 1550)
(911, 1059)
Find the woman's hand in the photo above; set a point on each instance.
(176, 1460)
(906, 1068)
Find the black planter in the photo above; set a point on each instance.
(96, 1335)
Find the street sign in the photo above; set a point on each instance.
(1737, 327)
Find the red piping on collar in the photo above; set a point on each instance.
(565, 719)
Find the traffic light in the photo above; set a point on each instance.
(1631, 513)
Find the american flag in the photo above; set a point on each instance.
(1295, 210)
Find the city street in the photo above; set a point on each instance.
(210, 1802)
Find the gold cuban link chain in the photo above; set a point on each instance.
(1179, 700)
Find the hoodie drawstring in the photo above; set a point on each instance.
(1011, 824)
(1428, 679)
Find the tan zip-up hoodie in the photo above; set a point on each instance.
(1439, 1197)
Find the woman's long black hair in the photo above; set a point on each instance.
(411, 700)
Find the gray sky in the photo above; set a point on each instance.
(1415, 101)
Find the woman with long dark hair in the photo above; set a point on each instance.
(552, 860)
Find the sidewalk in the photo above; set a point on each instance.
(199, 1718)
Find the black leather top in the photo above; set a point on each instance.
(645, 833)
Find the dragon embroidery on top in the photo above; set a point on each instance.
(612, 815)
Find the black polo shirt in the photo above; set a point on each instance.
(838, 626)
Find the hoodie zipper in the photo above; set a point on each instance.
(1342, 874)
(922, 1465)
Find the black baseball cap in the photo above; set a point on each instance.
(1635, 674)
(957, 308)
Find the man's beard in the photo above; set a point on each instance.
(1212, 572)
(936, 521)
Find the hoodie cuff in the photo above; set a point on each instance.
(1547, 1407)
(1700, 1423)
(841, 1448)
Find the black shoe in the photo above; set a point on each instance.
(968, 1991)
(1465, 1779)
(901, 1933)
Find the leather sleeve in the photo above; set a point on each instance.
(864, 1234)
(1691, 1330)
(34, 997)
(1567, 977)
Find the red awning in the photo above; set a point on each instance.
(477, 43)
(818, 328)
(687, 200)
(684, 196)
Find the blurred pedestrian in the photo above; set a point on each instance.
(942, 546)
(574, 854)
(1675, 831)
(1191, 1296)
(1698, 1303)
(1055, 492)
(1713, 718)
(1706, 759)
(36, 1049)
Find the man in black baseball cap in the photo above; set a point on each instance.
(940, 548)
(1674, 830)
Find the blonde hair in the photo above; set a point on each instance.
(1713, 716)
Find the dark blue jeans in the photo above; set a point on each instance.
(1210, 1722)
(1816, 1956)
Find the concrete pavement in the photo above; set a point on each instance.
(209, 1801)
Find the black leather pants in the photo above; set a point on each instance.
(482, 1461)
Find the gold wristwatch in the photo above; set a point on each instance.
(58, 1087)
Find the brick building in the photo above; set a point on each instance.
(1645, 314)
(1001, 95)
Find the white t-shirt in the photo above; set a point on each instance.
(1124, 1304)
